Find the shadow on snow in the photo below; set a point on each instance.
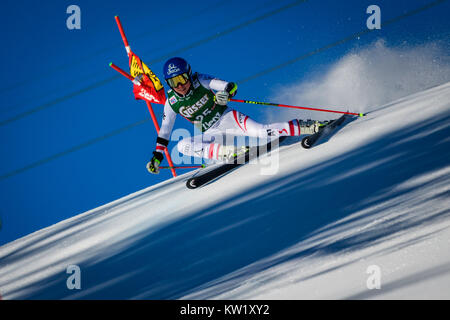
(244, 235)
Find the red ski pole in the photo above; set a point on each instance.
(295, 107)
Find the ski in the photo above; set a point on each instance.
(309, 141)
(215, 173)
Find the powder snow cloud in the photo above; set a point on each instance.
(366, 78)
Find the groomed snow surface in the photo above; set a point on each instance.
(368, 208)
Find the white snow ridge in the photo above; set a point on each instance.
(364, 215)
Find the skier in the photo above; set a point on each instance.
(202, 100)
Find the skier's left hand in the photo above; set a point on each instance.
(153, 165)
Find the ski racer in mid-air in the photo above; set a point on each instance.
(202, 100)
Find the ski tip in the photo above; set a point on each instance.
(305, 143)
(110, 64)
(191, 184)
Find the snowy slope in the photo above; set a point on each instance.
(376, 194)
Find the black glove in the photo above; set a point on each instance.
(231, 88)
(153, 165)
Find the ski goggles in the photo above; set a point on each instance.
(180, 79)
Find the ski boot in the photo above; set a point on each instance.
(309, 126)
(324, 123)
(312, 126)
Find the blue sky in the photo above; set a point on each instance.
(72, 137)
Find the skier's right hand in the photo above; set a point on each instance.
(221, 98)
(153, 165)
